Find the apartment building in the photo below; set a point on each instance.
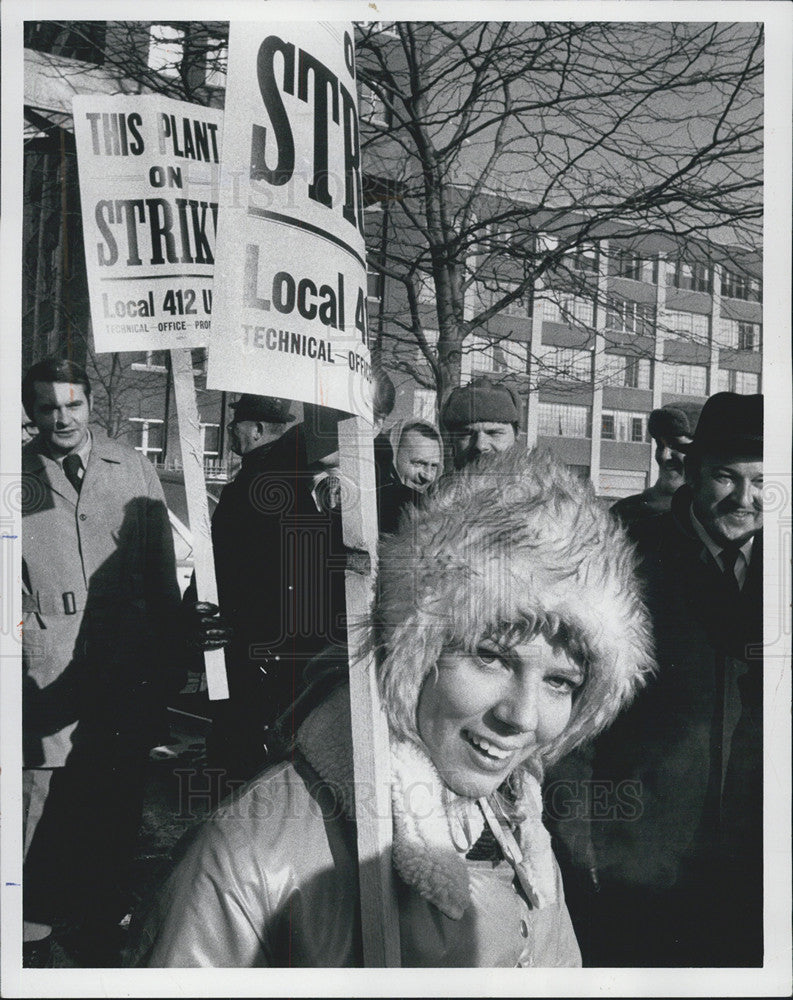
(620, 327)
(619, 331)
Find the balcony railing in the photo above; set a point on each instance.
(215, 470)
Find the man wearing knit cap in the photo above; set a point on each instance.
(680, 860)
(672, 428)
(481, 417)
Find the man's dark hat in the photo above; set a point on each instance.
(480, 400)
(674, 420)
(268, 409)
(730, 425)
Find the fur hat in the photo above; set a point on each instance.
(513, 541)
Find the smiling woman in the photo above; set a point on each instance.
(507, 630)
(483, 713)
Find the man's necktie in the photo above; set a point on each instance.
(729, 557)
(73, 467)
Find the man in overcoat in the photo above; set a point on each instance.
(270, 546)
(100, 650)
(675, 794)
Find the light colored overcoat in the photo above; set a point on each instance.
(100, 598)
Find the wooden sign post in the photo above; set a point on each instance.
(289, 320)
(198, 508)
(371, 751)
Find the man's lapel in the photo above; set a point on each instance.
(48, 472)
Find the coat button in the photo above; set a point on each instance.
(524, 929)
(83, 517)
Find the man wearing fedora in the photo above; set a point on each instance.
(261, 599)
(480, 417)
(676, 786)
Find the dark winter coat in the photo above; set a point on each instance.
(646, 504)
(673, 790)
(275, 576)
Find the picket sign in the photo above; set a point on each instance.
(197, 507)
(370, 744)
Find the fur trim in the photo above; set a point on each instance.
(433, 828)
(512, 540)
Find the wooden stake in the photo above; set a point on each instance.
(371, 752)
(197, 507)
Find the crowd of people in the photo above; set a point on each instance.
(577, 692)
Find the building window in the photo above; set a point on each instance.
(431, 336)
(625, 316)
(152, 361)
(547, 242)
(618, 425)
(213, 462)
(374, 286)
(686, 324)
(748, 336)
(627, 372)
(741, 286)
(425, 403)
(489, 357)
(83, 40)
(693, 277)
(217, 58)
(627, 264)
(567, 363)
(583, 258)
(166, 49)
(747, 383)
(385, 28)
(564, 307)
(425, 290)
(487, 295)
(210, 434)
(739, 335)
(687, 380)
(500, 361)
(564, 420)
(373, 108)
(147, 437)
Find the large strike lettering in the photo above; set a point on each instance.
(323, 94)
(323, 78)
(188, 243)
(282, 130)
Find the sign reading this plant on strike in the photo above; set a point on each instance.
(290, 289)
(148, 170)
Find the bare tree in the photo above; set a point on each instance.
(502, 155)
(489, 135)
